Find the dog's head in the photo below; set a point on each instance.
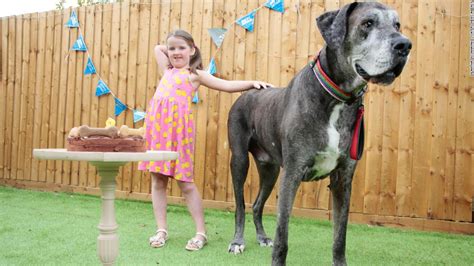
(368, 36)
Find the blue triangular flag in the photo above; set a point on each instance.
(79, 45)
(101, 88)
(90, 68)
(211, 69)
(138, 115)
(247, 21)
(119, 107)
(196, 97)
(276, 5)
(72, 22)
(217, 35)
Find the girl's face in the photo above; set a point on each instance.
(179, 52)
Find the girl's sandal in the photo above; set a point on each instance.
(195, 243)
(159, 239)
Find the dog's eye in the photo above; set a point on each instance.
(397, 26)
(368, 24)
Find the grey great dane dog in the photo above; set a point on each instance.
(307, 128)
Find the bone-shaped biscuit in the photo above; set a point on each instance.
(125, 131)
(74, 133)
(86, 131)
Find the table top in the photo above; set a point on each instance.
(63, 154)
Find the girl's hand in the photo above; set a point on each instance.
(261, 85)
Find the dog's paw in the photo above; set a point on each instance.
(236, 248)
(265, 242)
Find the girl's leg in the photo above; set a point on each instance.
(159, 184)
(194, 202)
(158, 197)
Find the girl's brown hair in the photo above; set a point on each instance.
(196, 60)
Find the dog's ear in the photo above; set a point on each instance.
(333, 25)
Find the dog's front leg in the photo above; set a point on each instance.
(289, 185)
(341, 185)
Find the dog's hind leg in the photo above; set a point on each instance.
(239, 165)
(268, 175)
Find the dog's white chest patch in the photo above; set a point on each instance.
(326, 160)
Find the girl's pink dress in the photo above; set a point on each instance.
(169, 125)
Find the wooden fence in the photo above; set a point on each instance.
(417, 170)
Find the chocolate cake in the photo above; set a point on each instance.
(108, 139)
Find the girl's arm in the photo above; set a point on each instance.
(161, 55)
(208, 80)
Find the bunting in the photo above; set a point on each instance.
(101, 88)
(138, 115)
(72, 22)
(196, 97)
(79, 44)
(276, 5)
(217, 36)
(247, 21)
(90, 68)
(119, 107)
(211, 69)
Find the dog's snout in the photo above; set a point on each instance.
(401, 46)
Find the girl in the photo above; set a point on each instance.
(169, 126)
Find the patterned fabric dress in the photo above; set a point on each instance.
(169, 125)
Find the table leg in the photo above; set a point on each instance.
(107, 242)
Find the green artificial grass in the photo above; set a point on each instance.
(38, 228)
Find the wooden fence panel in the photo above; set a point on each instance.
(131, 75)
(32, 69)
(213, 111)
(4, 33)
(225, 101)
(418, 159)
(63, 51)
(78, 168)
(49, 103)
(20, 153)
(122, 82)
(39, 93)
(407, 110)
(54, 132)
(8, 85)
(453, 88)
(464, 172)
(441, 109)
(201, 113)
(90, 117)
(9, 97)
(16, 95)
(143, 34)
(144, 89)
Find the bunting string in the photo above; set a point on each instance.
(247, 22)
(229, 28)
(217, 35)
(101, 88)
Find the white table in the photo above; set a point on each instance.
(107, 164)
